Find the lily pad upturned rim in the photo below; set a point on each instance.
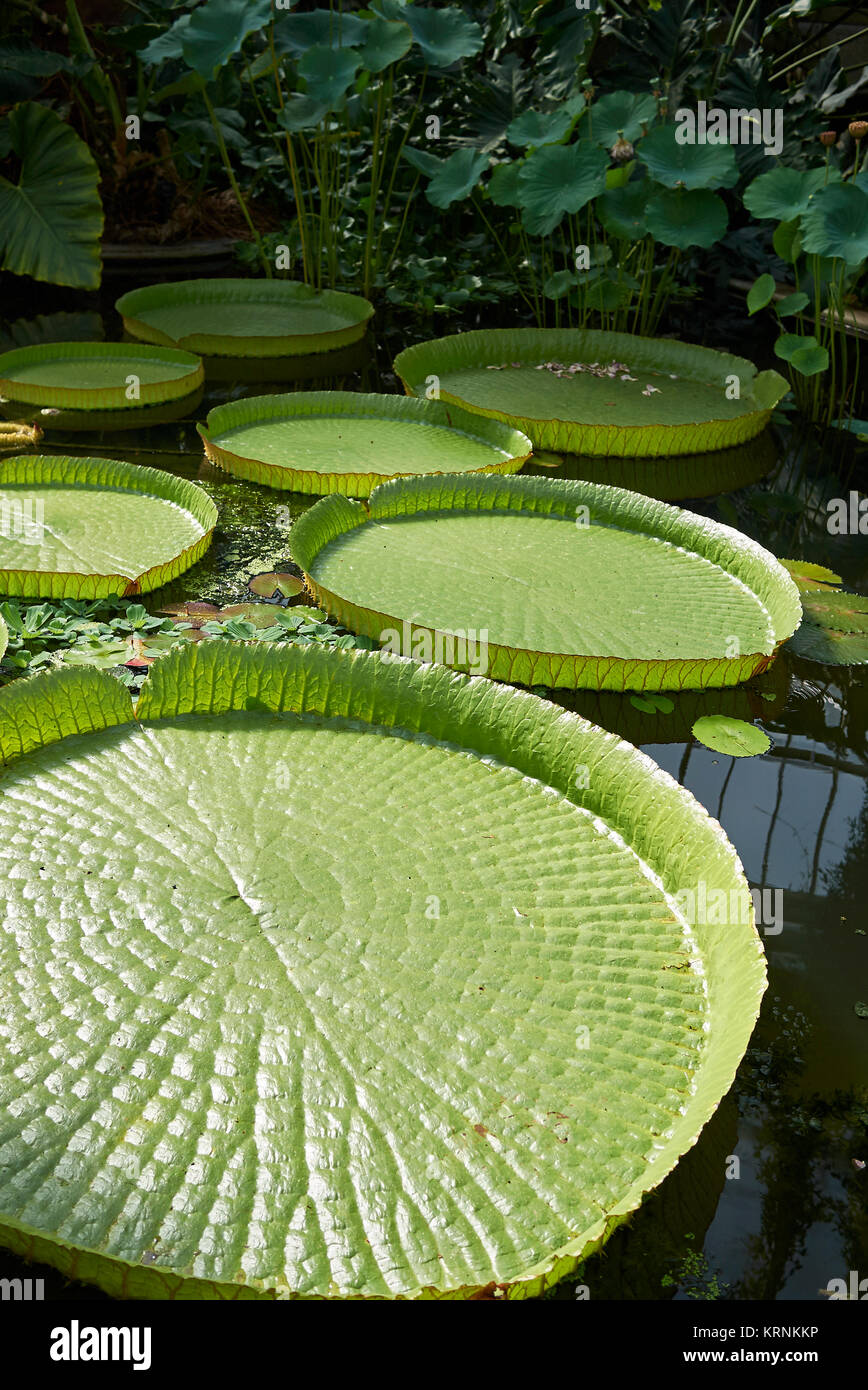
(624, 788)
(44, 470)
(760, 392)
(235, 293)
(357, 404)
(738, 554)
(173, 388)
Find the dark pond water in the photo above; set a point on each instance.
(771, 1202)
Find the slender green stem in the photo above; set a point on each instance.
(230, 173)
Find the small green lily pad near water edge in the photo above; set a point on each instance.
(348, 441)
(548, 583)
(735, 737)
(98, 376)
(91, 527)
(283, 1073)
(244, 318)
(583, 391)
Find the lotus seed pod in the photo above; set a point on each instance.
(828, 138)
(858, 129)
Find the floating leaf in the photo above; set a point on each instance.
(392, 566)
(810, 576)
(834, 628)
(215, 956)
(731, 736)
(272, 585)
(244, 318)
(652, 704)
(92, 527)
(348, 441)
(577, 413)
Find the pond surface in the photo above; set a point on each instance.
(771, 1203)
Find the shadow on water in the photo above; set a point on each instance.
(771, 1203)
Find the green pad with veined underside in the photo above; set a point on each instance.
(502, 373)
(98, 376)
(342, 978)
(565, 583)
(88, 528)
(348, 441)
(244, 318)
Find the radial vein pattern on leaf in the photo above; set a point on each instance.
(544, 583)
(91, 531)
(240, 1042)
(342, 444)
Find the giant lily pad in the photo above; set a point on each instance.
(548, 583)
(85, 376)
(669, 397)
(244, 318)
(356, 1046)
(90, 527)
(347, 441)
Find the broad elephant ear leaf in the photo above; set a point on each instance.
(51, 219)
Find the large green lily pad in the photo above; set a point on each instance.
(548, 583)
(91, 527)
(244, 318)
(98, 376)
(348, 441)
(332, 978)
(670, 397)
